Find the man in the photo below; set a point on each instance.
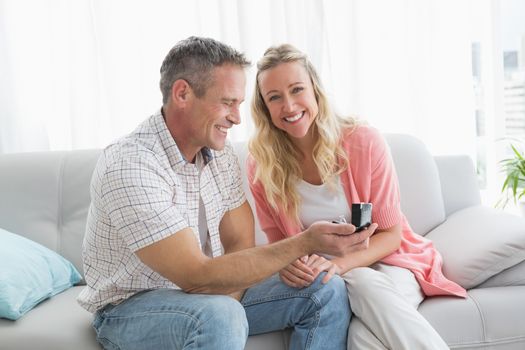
(167, 199)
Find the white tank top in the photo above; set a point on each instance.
(320, 202)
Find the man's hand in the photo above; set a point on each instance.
(337, 239)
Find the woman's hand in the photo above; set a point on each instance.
(298, 274)
(320, 264)
(302, 272)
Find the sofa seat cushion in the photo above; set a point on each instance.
(275, 340)
(487, 318)
(58, 323)
(479, 242)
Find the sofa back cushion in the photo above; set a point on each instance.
(45, 197)
(29, 188)
(77, 169)
(419, 182)
(459, 182)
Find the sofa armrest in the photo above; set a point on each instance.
(479, 242)
(459, 183)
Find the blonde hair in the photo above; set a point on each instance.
(277, 159)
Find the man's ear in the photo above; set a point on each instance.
(180, 92)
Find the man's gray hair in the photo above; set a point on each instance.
(193, 60)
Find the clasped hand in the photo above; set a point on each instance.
(303, 271)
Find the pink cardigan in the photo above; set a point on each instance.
(371, 177)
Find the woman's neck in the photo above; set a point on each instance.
(306, 145)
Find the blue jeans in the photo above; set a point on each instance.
(319, 316)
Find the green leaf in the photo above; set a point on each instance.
(518, 154)
(514, 184)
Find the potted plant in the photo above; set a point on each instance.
(514, 185)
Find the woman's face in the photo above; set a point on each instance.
(289, 96)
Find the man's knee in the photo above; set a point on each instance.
(225, 317)
(333, 292)
(335, 286)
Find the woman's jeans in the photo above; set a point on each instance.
(319, 316)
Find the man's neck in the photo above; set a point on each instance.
(180, 137)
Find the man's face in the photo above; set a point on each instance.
(212, 115)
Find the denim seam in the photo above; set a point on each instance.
(146, 313)
(280, 297)
(312, 331)
(310, 296)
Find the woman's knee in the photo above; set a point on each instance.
(365, 280)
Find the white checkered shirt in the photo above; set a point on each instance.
(142, 191)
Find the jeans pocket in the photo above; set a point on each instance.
(97, 321)
(107, 344)
(98, 325)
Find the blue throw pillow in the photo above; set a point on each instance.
(30, 273)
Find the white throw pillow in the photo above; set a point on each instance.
(513, 276)
(479, 242)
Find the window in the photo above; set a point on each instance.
(498, 73)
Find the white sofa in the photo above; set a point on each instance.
(44, 196)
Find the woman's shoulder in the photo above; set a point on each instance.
(251, 166)
(361, 135)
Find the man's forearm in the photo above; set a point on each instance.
(179, 259)
(242, 269)
(240, 243)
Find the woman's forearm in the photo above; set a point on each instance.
(381, 244)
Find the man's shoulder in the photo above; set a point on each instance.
(141, 145)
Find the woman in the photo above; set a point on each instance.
(308, 164)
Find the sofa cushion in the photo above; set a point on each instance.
(77, 168)
(30, 187)
(30, 273)
(489, 318)
(58, 323)
(513, 276)
(479, 242)
(419, 184)
(45, 197)
(459, 182)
